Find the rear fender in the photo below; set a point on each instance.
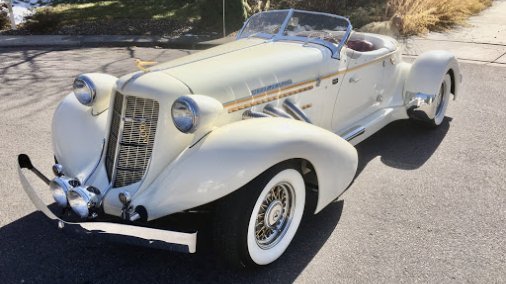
(231, 156)
(428, 71)
(424, 81)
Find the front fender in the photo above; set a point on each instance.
(231, 156)
(78, 137)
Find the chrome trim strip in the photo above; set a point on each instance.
(98, 163)
(354, 133)
(119, 138)
(136, 235)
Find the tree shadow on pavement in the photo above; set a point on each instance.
(402, 144)
(34, 251)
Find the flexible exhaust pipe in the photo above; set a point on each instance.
(253, 114)
(295, 111)
(277, 112)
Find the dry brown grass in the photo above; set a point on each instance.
(422, 16)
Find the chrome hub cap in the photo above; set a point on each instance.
(275, 215)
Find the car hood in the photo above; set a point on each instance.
(241, 68)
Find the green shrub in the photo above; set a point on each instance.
(4, 20)
(211, 12)
(44, 21)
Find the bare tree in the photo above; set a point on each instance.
(254, 6)
(11, 14)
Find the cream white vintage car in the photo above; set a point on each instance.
(259, 131)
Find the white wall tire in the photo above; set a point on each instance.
(442, 100)
(255, 225)
(282, 226)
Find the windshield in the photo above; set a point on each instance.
(266, 23)
(296, 25)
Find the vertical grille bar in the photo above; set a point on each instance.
(131, 139)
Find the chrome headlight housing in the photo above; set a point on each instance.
(196, 114)
(83, 200)
(95, 90)
(185, 114)
(59, 188)
(84, 90)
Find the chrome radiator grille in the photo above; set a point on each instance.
(131, 139)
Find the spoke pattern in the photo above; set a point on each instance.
(274, 216)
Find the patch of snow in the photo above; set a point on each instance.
(23, 8)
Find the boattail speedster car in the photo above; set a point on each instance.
(258, 131)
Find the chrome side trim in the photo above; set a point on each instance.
(135, 235)
(354, 133)
(274, 111)
(295, 110)
(85, 180)
(119, 139)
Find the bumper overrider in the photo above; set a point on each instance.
(135, 235)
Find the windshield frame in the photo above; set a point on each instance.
(280, 35)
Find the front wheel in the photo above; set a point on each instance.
(254, 225)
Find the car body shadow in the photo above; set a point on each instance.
(33, 250)
(402, 144)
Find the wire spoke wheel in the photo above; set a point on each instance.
(255, 225)
(275, 215)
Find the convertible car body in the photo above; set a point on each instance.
(258, 131)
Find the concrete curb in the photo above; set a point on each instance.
(475, 52)
(187, 42)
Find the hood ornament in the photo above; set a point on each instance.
(143, 64)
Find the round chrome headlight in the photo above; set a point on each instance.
(84, 90)
(59, 188)
(82, 200)
(185, 114)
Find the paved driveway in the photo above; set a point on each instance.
(426, 206)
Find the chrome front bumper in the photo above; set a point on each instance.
(135, 235)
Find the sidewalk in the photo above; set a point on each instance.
(185, 42)
(482, 40)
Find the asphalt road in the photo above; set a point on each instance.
(426, 206)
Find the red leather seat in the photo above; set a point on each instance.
(361, 45)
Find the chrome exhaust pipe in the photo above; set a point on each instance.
(277, 112)
(295, 111)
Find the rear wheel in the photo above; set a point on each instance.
(442, 100)
(440, 103)
(255, 225)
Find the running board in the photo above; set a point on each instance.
(353, 133)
